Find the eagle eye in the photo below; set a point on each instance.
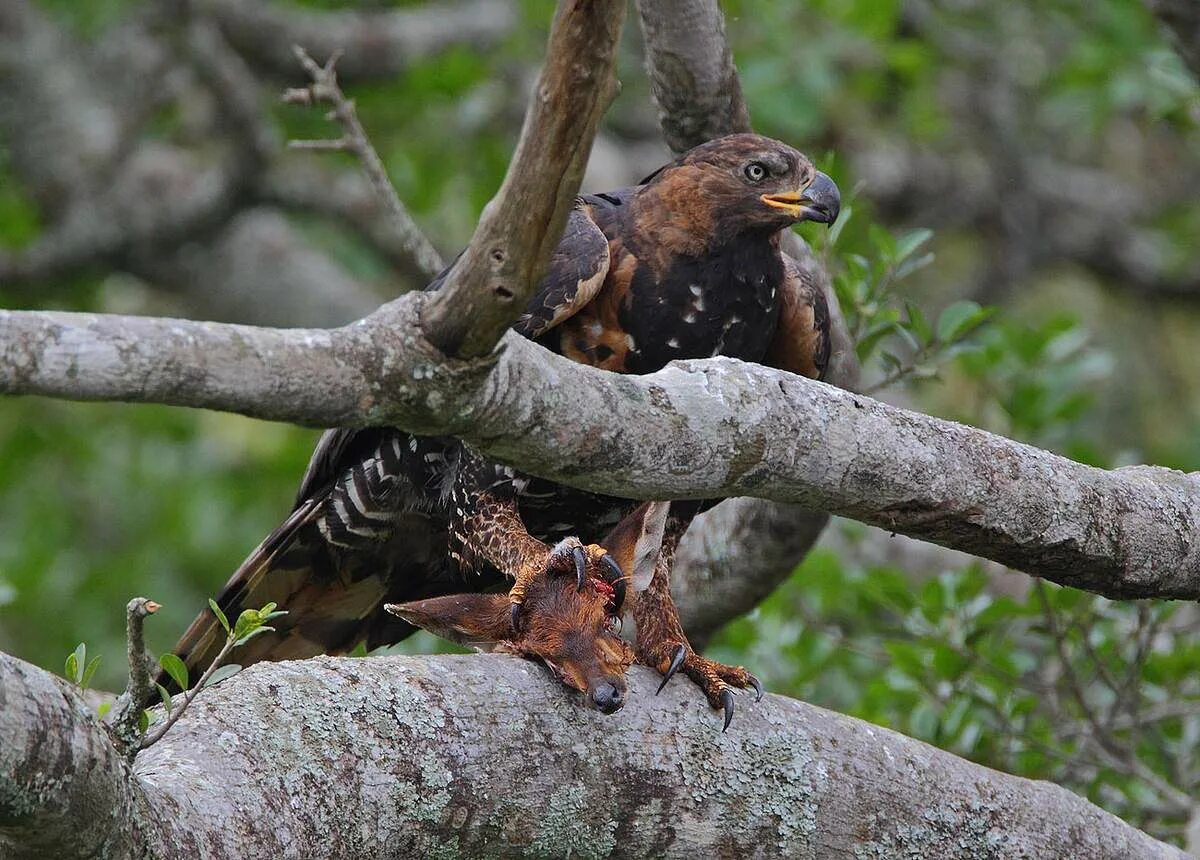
(755, 171)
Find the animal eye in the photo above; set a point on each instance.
(755, 171)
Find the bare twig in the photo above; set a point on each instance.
(1115, 754)
(128, 710)
(325, 89)
(1101, 733)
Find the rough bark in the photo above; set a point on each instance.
(487, 756)
(734, 556)
(697, 429)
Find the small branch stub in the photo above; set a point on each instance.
(125, 728)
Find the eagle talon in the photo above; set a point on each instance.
(758, 687)
(580, 558)
(617, 580)
(515, 617)
(727, 703)
(676, 661)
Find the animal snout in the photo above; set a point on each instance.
(607, 697)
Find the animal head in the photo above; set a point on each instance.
(741, 183)
(574, 631)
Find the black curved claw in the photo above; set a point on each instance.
(727, 703)
(515, 617)
(676, 661)
(618, 595)
(758, 688)
(580, 557)
(617, 577)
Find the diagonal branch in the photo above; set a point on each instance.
(697, 429)
(692, 76)
(492, 281)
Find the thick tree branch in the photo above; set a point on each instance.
(696, 429)
(449, 755)
(491, 283)
(734, 556)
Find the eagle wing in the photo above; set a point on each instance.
(801, 341)
(577, 270)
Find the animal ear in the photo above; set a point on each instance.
(636, 542)
(475, 620)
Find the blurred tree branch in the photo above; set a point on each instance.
(1182, 20)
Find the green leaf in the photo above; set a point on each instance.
(909, 243)
(836, 230)
(220, 615)
(226, 671)
(246, 624)
(143, 721)
(176, 668)
(913, 264)
(89, 671)
(166, 697)
(883, 241)
(959, 319)
(253, 633)
(917, 323)
(76, 661)
(102, 711)
(867, 343)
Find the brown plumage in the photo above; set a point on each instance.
(686, 265)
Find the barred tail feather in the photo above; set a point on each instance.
(204, 638)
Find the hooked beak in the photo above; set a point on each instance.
(819, 202)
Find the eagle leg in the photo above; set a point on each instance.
(495, 531)
(662, 644)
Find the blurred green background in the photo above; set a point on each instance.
(1050, 151)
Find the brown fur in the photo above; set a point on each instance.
(572, 632)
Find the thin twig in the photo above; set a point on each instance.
(124, 727)
(180, 704)
(325, 89)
